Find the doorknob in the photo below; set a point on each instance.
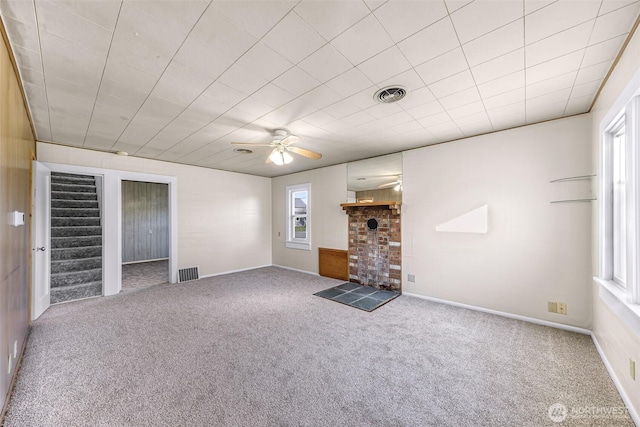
(41, 248)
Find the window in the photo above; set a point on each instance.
(299, 216)
(619, 218)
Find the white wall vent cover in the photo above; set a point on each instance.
(475, 221)
(188, 274)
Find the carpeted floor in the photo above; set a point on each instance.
(258, 349)
(143, 274)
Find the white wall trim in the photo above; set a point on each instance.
(295, 269)
(234, 271)
(632, 412)
(503, 314)
(112, 219)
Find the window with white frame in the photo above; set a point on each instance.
(298, 216)
(620, 208)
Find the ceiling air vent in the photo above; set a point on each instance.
(390, 94)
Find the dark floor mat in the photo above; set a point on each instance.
(365, 298)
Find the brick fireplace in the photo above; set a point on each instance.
(375, 254)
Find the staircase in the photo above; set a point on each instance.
(76, 238)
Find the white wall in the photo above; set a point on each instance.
(329, 223)
(534, 251)
(616, 340)
(224, 218)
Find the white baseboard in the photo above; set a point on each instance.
(504, 314)
(234, 271)
(295, 269)
(632, 412)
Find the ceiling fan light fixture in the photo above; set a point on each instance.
(280, 157)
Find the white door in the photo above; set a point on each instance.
(41, 226)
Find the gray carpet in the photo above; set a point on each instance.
(258, 349)
(143, 274)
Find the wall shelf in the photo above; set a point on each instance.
(575, 178)
(394, 206)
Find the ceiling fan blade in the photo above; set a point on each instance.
(268, 161)
(306, 153)
(291, 139)
(251, 144)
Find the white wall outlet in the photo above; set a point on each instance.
(15, 349)
(411, 278)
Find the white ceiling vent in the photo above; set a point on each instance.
(390, 94)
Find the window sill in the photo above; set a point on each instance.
(298, 245)
(616, 300)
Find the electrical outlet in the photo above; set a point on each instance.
(562, 308)
(553, 307)
(632, 368)
(411, 278)
(15, 349)
(9, 365)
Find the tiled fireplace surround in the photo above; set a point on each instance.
(375, 255)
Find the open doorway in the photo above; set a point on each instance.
(145, 234)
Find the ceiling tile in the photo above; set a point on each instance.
(65, 59)
(202, 58)
(453, 5)
(101, 12)
(350, 82)
(593, 72)
(28, 58)
(466, 110)
(496, 43)
(321, 96)
(385, 65)
(615, 23)
(551, 99)
(256, 18)
(380, 111)
(481, 17)
(445, 65)
(555, 67)
(221, 35)
(447, 131)
(559, 44)
(293, 38)
(241, 79)
(504, 99)
(319, 118)
(180, 15)
(498, 67)
(264, 62)
(416, 98)
(31, 76)
(557, 17)
(181, 84)
(503, 84)
(430, 42)
(513, 120)
(549, 111)
(21, 34)
(357, 118)
(410, 80)
(362, 41)
(296, 81)
(341, 109)
(531, 6)
(586, 89)
(611, 5)
(325, 63)
(126, 82)
(365, 98)
(453, 84)
(461, 98)
(374, 4)
(578, 105)
(138, 56)
(19, 10)
(330, 18)
(604, 51)
(554, 84)
(404, 18)
(273, 95)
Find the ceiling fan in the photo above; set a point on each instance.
(397, 184)
(282, 145)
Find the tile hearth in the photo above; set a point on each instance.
(365, 298)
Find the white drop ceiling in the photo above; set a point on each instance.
(180, 80)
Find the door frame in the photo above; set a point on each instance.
(112, 219)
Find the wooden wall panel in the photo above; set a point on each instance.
(17, 149)
(145, 221)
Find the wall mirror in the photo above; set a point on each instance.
(375, 180)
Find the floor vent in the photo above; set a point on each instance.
(187, 274)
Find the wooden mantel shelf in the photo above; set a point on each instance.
(393, 205)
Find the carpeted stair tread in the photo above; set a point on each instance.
(75, 292)
(58, 254)
(75, 241)
(78, 221)
(68, 212)
(73, 195)
(77, 264)
(75, 204)
(76, 231)
(75, 277)
(72, 187)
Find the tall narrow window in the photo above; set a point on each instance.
(298, 216)
(619, 188)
